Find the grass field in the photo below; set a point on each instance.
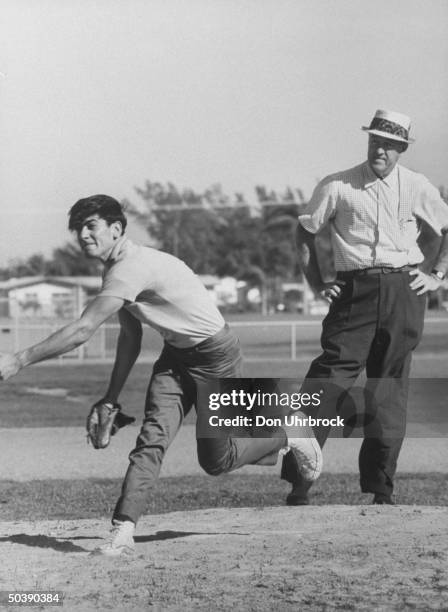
(93, 498)
(60, 395)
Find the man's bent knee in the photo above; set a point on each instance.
(213, 468)
(213, 458)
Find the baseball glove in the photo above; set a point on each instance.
(104, 420)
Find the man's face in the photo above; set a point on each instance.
(96, 238)
(383, 154)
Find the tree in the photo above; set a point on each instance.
(279, 221)
(215, 233)
(188, 224)
(67, 260)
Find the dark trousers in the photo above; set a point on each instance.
(374, 325)
(171, 394)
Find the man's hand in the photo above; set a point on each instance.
(331, 291)
(104, 420)
(423, 282)
(9, 365)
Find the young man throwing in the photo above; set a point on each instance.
(146, 286)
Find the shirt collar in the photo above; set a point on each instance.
(370, 178)
(391, 179)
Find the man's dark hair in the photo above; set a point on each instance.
(104, 206)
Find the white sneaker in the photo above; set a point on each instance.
(305, 450)
(120, 541)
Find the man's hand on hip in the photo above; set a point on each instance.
(423, 282)
(331, 291)
(9, 365)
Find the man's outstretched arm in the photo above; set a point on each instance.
(65, 339)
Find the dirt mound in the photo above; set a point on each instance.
(306, 558)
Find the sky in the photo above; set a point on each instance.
(98, 96)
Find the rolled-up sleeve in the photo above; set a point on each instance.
(123, 280)
(320, 208)
(116, 287)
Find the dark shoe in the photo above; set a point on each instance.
(300, 487)
(299, 495)
(383, 499)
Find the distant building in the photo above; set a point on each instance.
(46, 297)
(227, 292)
(300, 298)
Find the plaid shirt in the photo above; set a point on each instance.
(373, 221)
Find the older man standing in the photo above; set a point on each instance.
(377, 301)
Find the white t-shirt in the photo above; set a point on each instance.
(161, 291)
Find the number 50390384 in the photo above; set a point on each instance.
(31, 598)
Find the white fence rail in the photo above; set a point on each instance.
(262, 340)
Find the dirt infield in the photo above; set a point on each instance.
(306, 558)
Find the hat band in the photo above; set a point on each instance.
(384, 125)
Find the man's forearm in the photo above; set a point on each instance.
(308, 258)
(441, 263)
(64, 340)
(128, 349)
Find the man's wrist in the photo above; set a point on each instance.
(438, 274)
(107, 400)
(21, 359)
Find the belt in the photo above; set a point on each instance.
(375, 270)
